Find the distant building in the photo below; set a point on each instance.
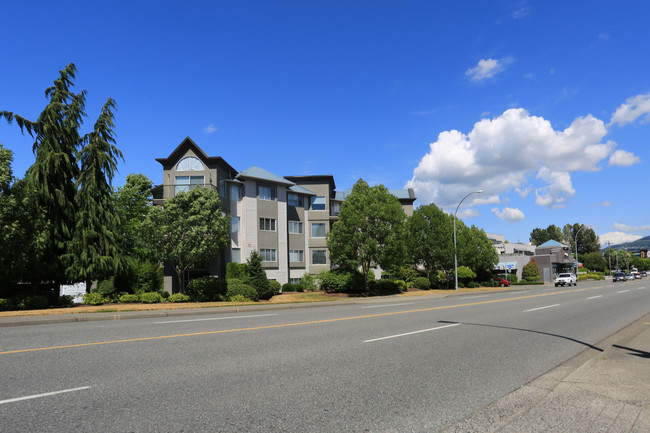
(512, 256)
(285, 219)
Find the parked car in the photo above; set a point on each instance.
(618, 276)
(567, 278)
(502, 282)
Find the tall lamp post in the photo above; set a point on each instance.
(455, 249)
(581, 228)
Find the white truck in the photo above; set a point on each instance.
(567, 278)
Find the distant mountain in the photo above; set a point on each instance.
(639, 244)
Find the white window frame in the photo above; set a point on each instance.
(268, 254)
(267, 224)
(292, 227)
(190, 163)
(296, 256)
(186, 183)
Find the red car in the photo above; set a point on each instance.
(502, 282)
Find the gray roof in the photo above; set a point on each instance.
(261, 174)
(300, 189)
(401, 194)
(551, 243)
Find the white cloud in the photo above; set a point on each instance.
(210, 129)
(633, 108)
(627, 228)
(486, 68)
(467, 213)
(521, 12)
(502, 154)
(604, 204)
(622, 158)
(616, 238)
(509, 214)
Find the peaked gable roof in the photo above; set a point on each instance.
(551, 243)
(255, 172)
(189, 144)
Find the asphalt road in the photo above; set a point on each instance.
(398, 364)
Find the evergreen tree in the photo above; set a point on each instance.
(256, 277)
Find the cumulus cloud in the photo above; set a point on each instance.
(509, 214)
(633, 108)
(209, 129)
(503, 154)
(486, 68)
(467, 213)
(627, 228)
(622, 158)
(616, 238)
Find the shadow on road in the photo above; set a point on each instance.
(537, 332)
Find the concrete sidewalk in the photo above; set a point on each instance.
(606, 391)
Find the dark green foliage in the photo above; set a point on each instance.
(236, 271)
(178, 297)
(341, 281)
(6, 305)
(530, 272)
(422, 283)
(489, 284)
(30, 302)
(593, 261)
(431, 239)
(539, 236)
(206, 289)
(586, 236)
(64, 301)
(129, 298)
(151, 297)
(383, 287)
(289, 287)
(238, 287)
(256, 277)
(275, 286)
(512, 278)
(132, 203)
(106, 287)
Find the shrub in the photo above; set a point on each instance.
(466, 275)
(512, 278)
(401, 284)
(308, 282)
(383, 287)
(235, 271)
(371, 275)
(238, 287)
(530, 272)
(489, 284)
(257, 277)
(289, 287)
(151, 297)
(240, 298)
(472, 284)
(149, 277)
(6, 304)
(64, 301)
(422, 283)
(165, 295)
(94, 298)
(591, 276)
(106, 287)
(30, 302)
(275, 286)
(206, 289)
(129, 298)
(341, 281)
(178, 297)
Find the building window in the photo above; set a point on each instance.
(296, 256)
(318, 230)
(235, 192)
(336, 208)
(236, 255)
(319, 257)
(189, 163)
(186, 183)
(294, 199)
(234, 225)
(295, 227)
(266, 193)
(295, 280)
(318, 203)
(268, 255)
(267, 224)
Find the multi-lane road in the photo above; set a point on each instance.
(398, 364)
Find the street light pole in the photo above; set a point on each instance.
(455, 249)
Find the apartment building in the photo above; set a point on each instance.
(286, 219)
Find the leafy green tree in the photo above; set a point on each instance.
(256, 276)
(530, 272)
(465, 274)
(370, 230)
(132, 203)
(93, 252)
(187, 231)
(476, 251)
(594, 261)
(431, 239)
(539, 236)
(587, 239)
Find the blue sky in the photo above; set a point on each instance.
(545, 105)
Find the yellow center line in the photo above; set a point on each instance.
(284, 325)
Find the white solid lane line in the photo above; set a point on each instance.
(594, 297)
(216, 318)
(388, 305)
(411, 333)
(541, 308)
(47, 394)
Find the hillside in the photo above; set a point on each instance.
(639, 244)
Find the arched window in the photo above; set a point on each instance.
(189, 163)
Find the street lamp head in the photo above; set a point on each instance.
(479, 191)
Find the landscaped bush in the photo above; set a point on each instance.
(129, 298)
(235, 271)
(64, 301)
(592, 276)
(94, 298)
(31, 302)
(383, 287)
(178, 297)
(6, 305)
(527, 283)
(512, 278)
(341, 281)
(106, 287)
(472, 284)
(422, 283)
(275, 286)
(489, 284)
(151, 297)
(402, 285)
(290, 287)
(149, 277)
(308, 282)
(240, 298)
(238, 287)
(530, 272)
(206, 289)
